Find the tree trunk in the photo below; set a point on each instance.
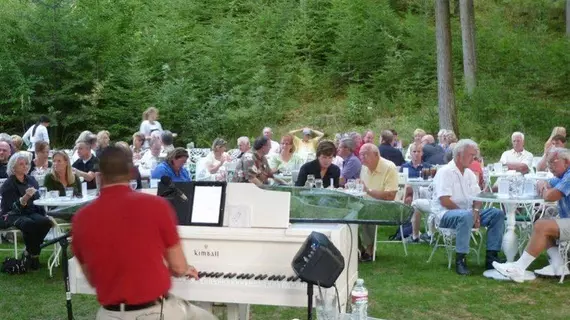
(468, 40)
(568, 18)
(446, 95)
(455, 7)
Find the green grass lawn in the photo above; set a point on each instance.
(400, 288)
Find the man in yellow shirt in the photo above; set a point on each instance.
(380, 179)
(309, 143)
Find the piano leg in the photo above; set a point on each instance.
(238, 311)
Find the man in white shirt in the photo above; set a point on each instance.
(454, 186)
(517, 158)
(275, 147)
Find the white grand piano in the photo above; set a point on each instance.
(248, 261)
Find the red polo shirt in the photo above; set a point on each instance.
(122, 239)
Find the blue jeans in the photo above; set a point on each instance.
(462, 221)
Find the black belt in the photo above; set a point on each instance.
(135, 307)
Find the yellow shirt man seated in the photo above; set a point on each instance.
(380, 179)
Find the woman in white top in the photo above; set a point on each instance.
(37, 132)
(215, 160)
(150, 124)
(286, 159)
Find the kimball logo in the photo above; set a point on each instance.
(206, 252)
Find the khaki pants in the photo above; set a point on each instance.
(367, 235)
(172, 309)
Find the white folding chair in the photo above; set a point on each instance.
(14, 233)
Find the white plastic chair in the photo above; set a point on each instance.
(14, 233)
(448, 236)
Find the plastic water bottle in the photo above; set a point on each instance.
(359, 301)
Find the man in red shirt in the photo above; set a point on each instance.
(122, 241)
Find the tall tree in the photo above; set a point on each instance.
(468, 40)
(446, 94)
(568, 18)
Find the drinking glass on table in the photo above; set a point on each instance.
(133, 184)
(43, 192)
(359, 186)
(69, 193)
(318, 183)
(351, 184)
(310, 181)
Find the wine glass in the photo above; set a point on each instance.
(133, 184)
(69, 193)
(351, 184)
(318, 183)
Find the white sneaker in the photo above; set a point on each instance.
(510, 270)
(551, 271)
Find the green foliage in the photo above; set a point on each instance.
(228, 68)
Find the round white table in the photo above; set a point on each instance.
(60, 202)
(510, 239)
(416, 183)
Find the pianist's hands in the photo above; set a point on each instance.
(192, 273)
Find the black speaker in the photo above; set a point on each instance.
(318, 261)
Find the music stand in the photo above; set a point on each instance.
(207, 204)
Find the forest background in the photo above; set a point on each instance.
(223, 68)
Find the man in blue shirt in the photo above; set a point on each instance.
(415, 165)
(547, 231)
(351, 165)
(173, 167)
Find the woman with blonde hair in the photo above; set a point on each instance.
(286, 159)
(62, 176)
(137, 146)
(214, 161)
(418, 135)
(150, 124)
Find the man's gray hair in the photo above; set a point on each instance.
(244, 139)
(348, 143)
(265, 129)
(559, 153)
(14, 160)
(154, 141)
(462, 145)
(517, 134)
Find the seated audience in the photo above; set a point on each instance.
(558, 141)
(61, 175)
(450, 140)
(151, 158)
(547, 231)
(368, 137)
(135, 173)
(396, 142)
(441, 138)
(433, 153)
(216, 159)
(517, 158)
(137, 147)
(477, 168)
(308, 144)
(167, 141)
(322, 167)
(254, 164)
(556, 131)
(87, 165)
(18, 193)
(103, 140)
(17, 142)
(454, 185)
(41, 163)
(5, 153)
(418, 138)
(173, 167)
(380, 180)
(243, 147)
(286, 159)
(387, 151)
(338, 160)
(268, 133)
(351, 165)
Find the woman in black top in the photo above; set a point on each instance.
(322, 167)
(17, 209)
